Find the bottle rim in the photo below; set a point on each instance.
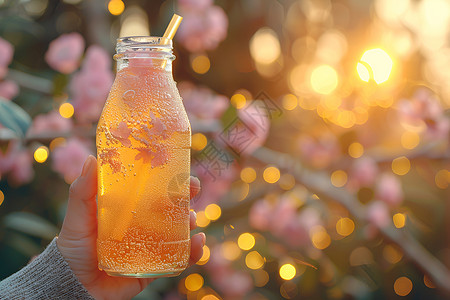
(143, 43)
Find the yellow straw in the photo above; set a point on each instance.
(173, 27)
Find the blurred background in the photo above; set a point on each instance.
(320, 135)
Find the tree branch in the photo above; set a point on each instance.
(319, 183)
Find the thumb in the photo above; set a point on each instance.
(81, 216)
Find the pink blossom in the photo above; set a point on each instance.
(282, 215)
(202, 104)
(320, 151)
(233, 284)
(90, 86)
(425, 108)
(378, 214)
(50, 122)
(259, 215)
(64, 53)
(8, 89)
(389, 190)
(6, 56)
(204, 25)
(215, 184)
(254, 129)
(363, 173)
(17, 162)
(6, 52)
(68, 160)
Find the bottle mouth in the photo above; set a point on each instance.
(143, 44)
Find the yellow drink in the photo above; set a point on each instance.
(143, 145)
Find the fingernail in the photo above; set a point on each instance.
(87, 165)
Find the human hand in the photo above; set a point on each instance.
(78, 237)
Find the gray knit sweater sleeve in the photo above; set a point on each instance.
(48, 276)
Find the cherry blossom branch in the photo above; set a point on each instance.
(31, 82)
(319, 183)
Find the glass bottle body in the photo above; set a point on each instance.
(143, 149)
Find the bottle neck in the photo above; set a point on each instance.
(145, 52)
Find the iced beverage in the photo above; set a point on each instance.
(143, 149)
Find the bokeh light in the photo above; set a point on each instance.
(194, 282)
(248, 175)
(246, 241)
(427, 281)
(324, 79)
(339, 178)
(287, 181)
(355, 150)
(403, 286)
(392, 254)
(265, 46)
(410, 139)
(319, 237)
(200, 64)
(345, 226)
(57, 142)
(213, 212)
(230, 250)
(401, 165)
(442, 178)
(2, 197)
(41, 154)
(202, 220)
(287, 271)
(205, 256)
(261, 277)
(399, 220)
(198, 141)
(254, 260)
(116, 7)
(375, 64)
(271, 174)
(289, 101)
(66, 110)
(238, 100)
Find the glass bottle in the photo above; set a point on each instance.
(143, 149)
